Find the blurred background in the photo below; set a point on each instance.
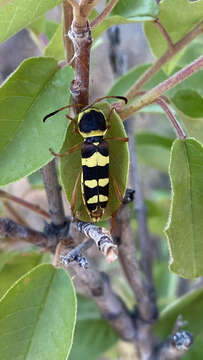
(120, 49)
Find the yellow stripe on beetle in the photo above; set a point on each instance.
(91, 183)
(93, 199)
(103, 198)
(95, 159)
(103, 182)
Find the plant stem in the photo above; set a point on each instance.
(28, 205)
(104, 13)
(164, 59)
(153, 94)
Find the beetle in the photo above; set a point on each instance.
(94, 185)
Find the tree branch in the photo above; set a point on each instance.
(17, 232)
(97, 286)
(33, 207)
(175, 346)
(101, 237)
(53, 191)
(197, 30)
(153, 94)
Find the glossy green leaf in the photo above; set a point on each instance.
(157, 146)
(93, 335)
(177, 23)
(70, 165)
(135, 8)
(55, 47)
(190, 307)
(17, 14)
(37, 88)
(128, 12)
(37, 316)
(185, 227)
(190, 102)
(15, 267)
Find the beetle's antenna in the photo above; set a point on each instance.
(107, 97)
(55, 112)
(58, 110)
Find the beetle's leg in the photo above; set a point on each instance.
(71, 150)
(116, 187)
(74, 196)
(74, 123)
(120, 197)
(118, 139)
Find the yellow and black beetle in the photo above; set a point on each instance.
(101, 167)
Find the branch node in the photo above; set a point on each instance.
(182, 340)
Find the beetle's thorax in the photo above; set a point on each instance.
(92, 123)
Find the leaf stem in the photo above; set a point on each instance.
(165, 33)
(178, 129)
(153, 94)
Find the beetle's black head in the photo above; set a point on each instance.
(92, 122)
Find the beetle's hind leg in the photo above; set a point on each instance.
(74, 196)
(70, 151)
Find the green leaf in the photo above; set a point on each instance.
(157, 223)
(157, 146)
(55, 47)
(38, 26)
(177, 23)
(130, 12)
(93, 335)
(189, 102)
(136, 8)
(17, 14)
(70, 165)
(185, 228)
(15, 267)
(50, 28)
(37, 316)
(37, 88)
(190, 307)
(165, 283)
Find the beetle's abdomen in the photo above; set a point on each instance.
(95, 178)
